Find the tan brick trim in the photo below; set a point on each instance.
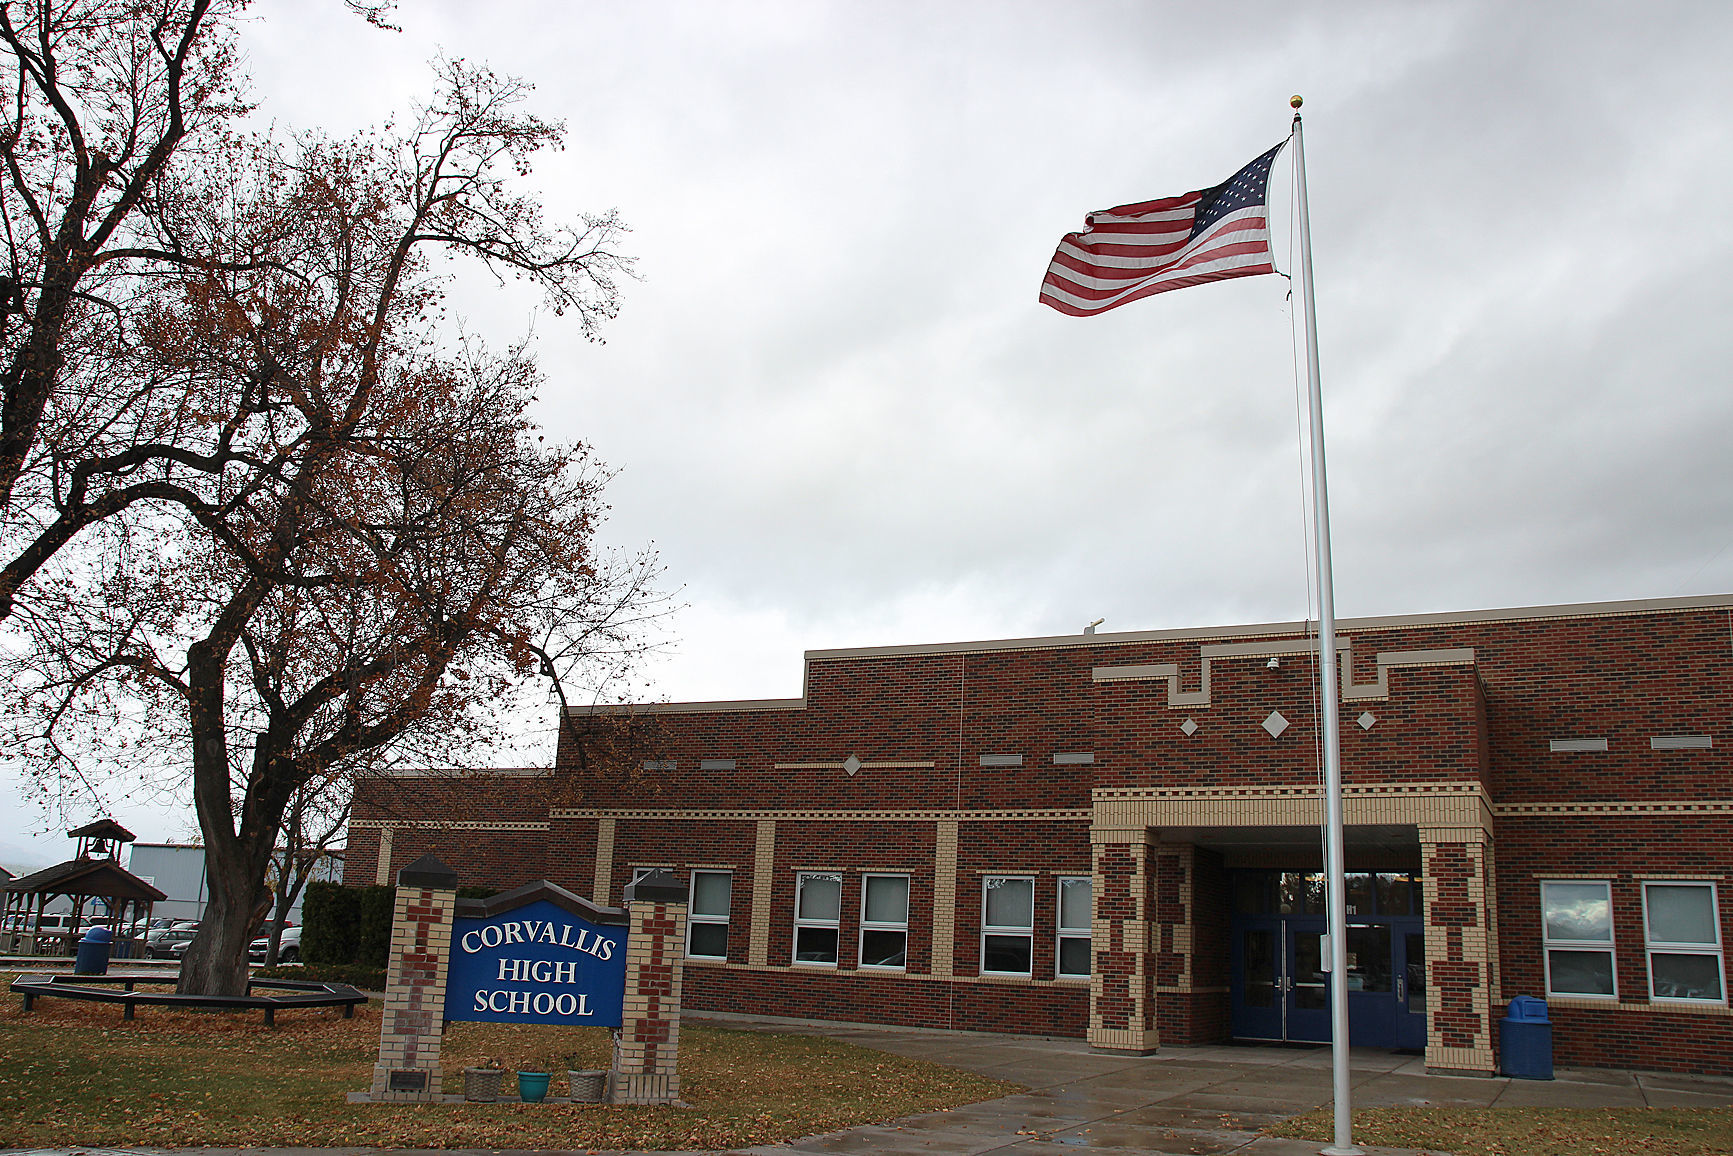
(1169, 672)
(763, 877)
(447, 825)
(944, 898)
(1553, 1001)
(1429, 787)
(865, 766)
(1420, 804)
(1190, 988)
(602, 877)
(1059, 814)
(382, 870)
(1461, 959)
(1593, 810)
(1075, 984)
(1142, 1034)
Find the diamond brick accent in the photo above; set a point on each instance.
(1189, 727)
(1275, 724)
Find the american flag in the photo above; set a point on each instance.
(1136, 250)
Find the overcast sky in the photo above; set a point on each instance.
(843, 418)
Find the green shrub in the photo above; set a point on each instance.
(346, 925)
(351, 926)
(373, 924)
(329, 924)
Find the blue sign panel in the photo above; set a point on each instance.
(536, 964)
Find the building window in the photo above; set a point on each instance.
(884, 921)
(1007, 924)
(1076, 894)
(1577, 931)
(817, 906)
(1682, 930)
(707, 919)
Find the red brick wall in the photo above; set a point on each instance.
(1623, 852)
(1621, 676)
(498, 859)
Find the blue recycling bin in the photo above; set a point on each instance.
(93, 952)
(1525, 1040)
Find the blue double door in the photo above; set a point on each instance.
(1280, 989)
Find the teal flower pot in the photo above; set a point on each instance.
(532, 1087)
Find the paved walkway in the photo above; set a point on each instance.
(1195, 1101)
(1190, 1100)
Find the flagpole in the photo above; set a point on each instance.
(1334, 864)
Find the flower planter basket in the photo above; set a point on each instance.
(532, 1087)
(481, 1085)
(587, 1086)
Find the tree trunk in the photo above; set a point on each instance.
(216, 960)
(288, 888)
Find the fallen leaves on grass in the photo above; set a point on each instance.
(78, 1073)
(1520, 1131)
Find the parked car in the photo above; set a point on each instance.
(288, 948)
(163, 942)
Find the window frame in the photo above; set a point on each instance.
(867, 925)
(696, 918)
(835, 925)
(1061, 932)
(1653, 947)
(1608, 946)
(1026, 932)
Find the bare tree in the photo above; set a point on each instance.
(102, 99)
(390, 546)
(317, 815)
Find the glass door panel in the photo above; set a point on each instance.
(1411, 989)
(1370, 983)
(1256, 1004)
(1309, 985)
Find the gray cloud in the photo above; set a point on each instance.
(844, 419)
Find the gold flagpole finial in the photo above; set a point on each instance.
(1296, 101)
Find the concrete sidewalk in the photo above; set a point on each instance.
(1182, 1100)
(1188, 1100)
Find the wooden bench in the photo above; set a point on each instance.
(298, 994)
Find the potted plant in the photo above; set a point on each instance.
(588, 1084)
(481, 1083)
(532, 1087)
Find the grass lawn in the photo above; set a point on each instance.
(1522, 1131)
(76, 1073)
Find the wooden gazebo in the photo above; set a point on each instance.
(93, 874)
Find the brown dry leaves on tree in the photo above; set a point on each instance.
(352, 541)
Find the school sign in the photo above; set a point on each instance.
(554, 959)
(535, 955)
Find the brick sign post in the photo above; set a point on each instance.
(538, 954)
(645, 1060)
(409, 1030)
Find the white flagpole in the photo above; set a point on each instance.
(1334, 865)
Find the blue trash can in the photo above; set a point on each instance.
(93, 952)
(1525, 1040)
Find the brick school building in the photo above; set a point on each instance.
(1116, 836)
